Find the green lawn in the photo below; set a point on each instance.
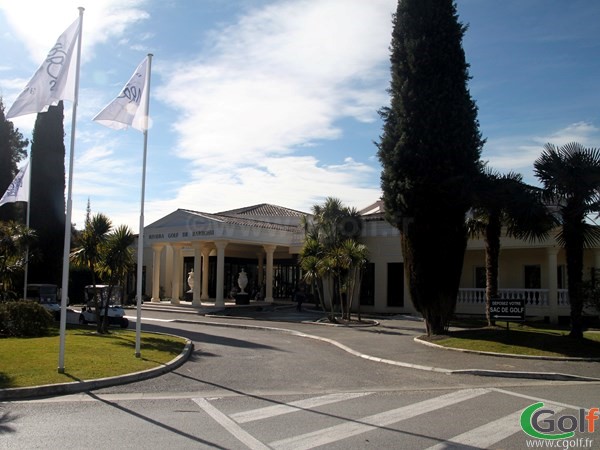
(88, 355)
(523, 339)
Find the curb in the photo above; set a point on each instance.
(554, 376)
(551, 376)
(75, 387)
(82, 386)
(478, 372)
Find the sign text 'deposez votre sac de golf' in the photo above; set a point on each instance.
(510, 310)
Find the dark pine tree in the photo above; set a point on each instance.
(12, 150)
(430, 149)
(47, 213)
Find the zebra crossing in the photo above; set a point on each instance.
(483, 436)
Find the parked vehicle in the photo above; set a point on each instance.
(46, 295)
(116, 314)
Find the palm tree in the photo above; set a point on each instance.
(309, 263)
(116, 259)
(323, 257)
(14, 241)
(88, 254)
(505, 201)
(571, 178)
(335, 265)
(355, 258)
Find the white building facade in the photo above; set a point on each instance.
(532, 271)
(198, 256)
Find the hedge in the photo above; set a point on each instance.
(24, 318)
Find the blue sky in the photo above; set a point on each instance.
(276, 100)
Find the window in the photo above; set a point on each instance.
(533, 277)
(480, 277)
(395, 284)
(367, 286)
(560, 277)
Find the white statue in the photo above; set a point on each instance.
(190, 280)
(243, 281)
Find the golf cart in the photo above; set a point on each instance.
(46, 295)
(116, 314)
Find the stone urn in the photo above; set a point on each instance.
(243, 281)
(190, 280)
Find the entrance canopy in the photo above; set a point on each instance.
(258, 224)
(255, 231)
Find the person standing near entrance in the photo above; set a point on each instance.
(299, 297)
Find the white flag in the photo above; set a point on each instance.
(129, 108)
(54, 80)
(18, 190)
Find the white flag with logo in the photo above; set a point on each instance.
(18, 190)
(54, 80)
(129, 108)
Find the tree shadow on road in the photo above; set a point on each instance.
(398, 331)
(204, 338)
(5, 421)
(345, 419)
(156, 422)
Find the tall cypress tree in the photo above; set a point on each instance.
(47, 213)
(430, 149)
(12, 150)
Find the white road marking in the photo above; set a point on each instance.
(359, 426)
(277, 410)
(537, 399)
(250, 441)
(148, 319)
(485, 435)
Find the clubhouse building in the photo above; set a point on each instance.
(198, 257)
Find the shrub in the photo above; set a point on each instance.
(24, 319)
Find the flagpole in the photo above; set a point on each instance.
(67, 246)
(140, 255)
(27, 225)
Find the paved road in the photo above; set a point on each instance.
(467, 418)
(250, 388)
(393, 342)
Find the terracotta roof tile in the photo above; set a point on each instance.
(263, 209)
(236, 220)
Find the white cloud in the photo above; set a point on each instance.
(293, 181)
(518, 153)
(275, 82)
(102, 19)
(280, 78)
(274, 86)
(585, 133)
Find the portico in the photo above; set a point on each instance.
(212, 248)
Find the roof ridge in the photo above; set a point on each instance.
(264, 209)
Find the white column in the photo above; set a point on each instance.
(197, 274)
(261, 273)
(220, 299)
(156, 256)
(177, 274)
(552, 253)
(205, 255)
(270, 249)
(168, 269)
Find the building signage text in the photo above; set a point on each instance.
(175, 235)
